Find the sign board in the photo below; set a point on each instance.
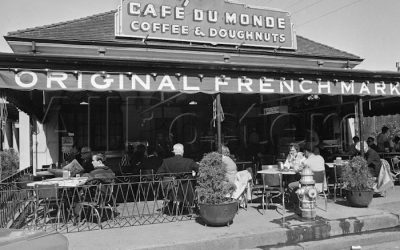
(276, 110)
(66, 143)
(205, 21)
(192, 83)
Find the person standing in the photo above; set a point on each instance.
(382, 140)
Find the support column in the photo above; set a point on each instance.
(219, 144)
(24, 141)
(360, 124)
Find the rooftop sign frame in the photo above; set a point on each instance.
(225, 22)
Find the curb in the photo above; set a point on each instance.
(345, 242)
(296, 236)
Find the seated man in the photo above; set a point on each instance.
(315, 162)
(100, 172)
(178, 165)
(81, 165)
(371, 144)
(373, 159)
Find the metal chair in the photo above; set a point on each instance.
(270, 188)
(319, 178)
(98, 198)
(46, 196)
(395, 168)
(179, 193)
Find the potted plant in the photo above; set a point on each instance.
(359, 182)
(214, 191)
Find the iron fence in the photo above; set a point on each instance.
(12, 196)
(128, 201)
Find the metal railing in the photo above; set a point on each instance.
(12, 196)
(129, 201)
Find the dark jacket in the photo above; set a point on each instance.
(373, 161)
(152, 162)
(374, 147)
(178, 164)
(103, 174)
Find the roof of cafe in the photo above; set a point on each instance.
(100, 28)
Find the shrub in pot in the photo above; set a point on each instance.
(214, 190)
(359, 182)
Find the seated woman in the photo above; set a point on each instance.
(294, 158)
(230, 165)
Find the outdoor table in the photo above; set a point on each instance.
(66, 183)
(280, 173)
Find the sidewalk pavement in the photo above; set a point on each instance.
(250, 228)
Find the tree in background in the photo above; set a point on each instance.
(9, 162)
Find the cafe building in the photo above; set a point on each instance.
(201, 73)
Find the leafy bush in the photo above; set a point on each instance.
(9, 162)
(356, 175)
(212, 185)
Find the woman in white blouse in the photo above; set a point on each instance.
(294, 158)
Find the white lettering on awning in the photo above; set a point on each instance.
(219, 81)
(189, 88)
(302, 89)
(145, 85)
(289, 87)
(245, 83)
(166, 82)
(57, 77)
(347, 88)
(265, 85)
(107, 82)
(19, 82)
(380, 87)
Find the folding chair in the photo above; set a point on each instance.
(179, 192)
(319, 178)
(395, 168)
(97, 198)
(271, 188)
(46, 196)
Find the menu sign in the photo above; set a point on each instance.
(205, 21)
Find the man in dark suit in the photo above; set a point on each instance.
(178, 164)
(373, 159)
(179, 190)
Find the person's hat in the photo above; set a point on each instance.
(85, 150)
(178, 148)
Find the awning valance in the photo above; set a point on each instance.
(191, 83)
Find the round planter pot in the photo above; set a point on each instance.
(218, 214)
(360, 198)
